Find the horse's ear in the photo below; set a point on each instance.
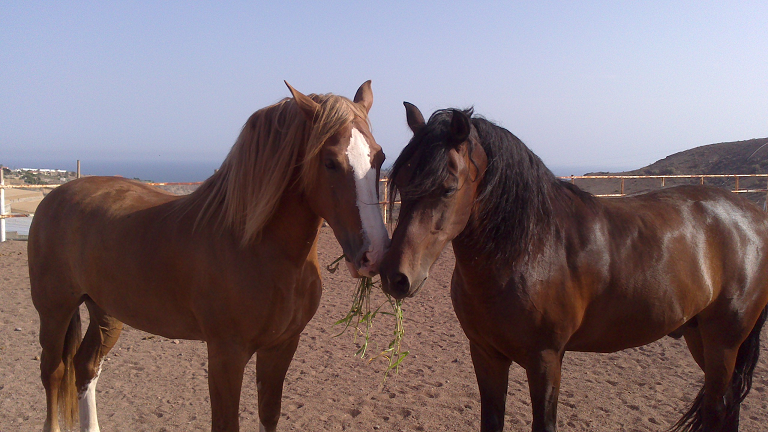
(364, 96)
(413, 116)
(309, 107)
(460, 127)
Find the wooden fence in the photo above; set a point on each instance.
(737, 178)
(663, 179)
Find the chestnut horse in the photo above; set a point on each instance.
(543, 267)
(233, 264)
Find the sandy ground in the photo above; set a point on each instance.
(155, 384)
(22, 200)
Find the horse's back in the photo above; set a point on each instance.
(685, 195)
(74, 220)
(100, 195)
(727, 224)
(689, 208)
(76, 207)
(667, 256)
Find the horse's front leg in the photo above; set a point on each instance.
(271, 367)
(226, 364)
(543, 370)
(492, 372)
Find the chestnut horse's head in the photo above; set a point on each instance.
(316, 149)
(437, 176)
(340, 174)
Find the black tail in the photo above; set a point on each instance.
(741, 383)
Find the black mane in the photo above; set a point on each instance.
(513, 205)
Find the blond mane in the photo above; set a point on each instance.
(275, 145)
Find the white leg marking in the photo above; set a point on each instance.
(87, 406)
(366, 183)
(262, 428)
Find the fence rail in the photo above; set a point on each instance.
(663, 179)
(385, 202)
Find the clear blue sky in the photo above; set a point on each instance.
(604, 85)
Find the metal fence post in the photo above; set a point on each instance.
(386, 200)
(2, 205)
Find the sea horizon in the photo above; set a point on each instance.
(184, 171)
(159, 171)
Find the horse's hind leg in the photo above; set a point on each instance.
(741, 380)
(59, 339)
(719, 363)
(101, 336)
(709, 410)
(271, 367)
(695, 345)
(728, 365)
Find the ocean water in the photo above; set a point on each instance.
(167, 171)
(156, 171)
(153, 170)
(195, 170)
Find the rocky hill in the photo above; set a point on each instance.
(738, 157)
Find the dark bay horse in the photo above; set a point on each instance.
(543, 267)
(233, 264)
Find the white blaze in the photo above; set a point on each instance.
(87, 406)
(367, 184)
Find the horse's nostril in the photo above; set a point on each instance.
(400, 283)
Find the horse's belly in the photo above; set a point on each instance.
(623, 327)
(158, 312)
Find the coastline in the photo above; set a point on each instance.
(165, 171)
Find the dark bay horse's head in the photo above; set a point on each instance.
(341, 177)
(437, 176)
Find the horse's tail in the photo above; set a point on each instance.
(741, 383)
(68, 408)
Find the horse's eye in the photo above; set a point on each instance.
(330, 164)
(448, 191)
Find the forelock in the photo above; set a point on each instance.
(426, 157)
(335, 113)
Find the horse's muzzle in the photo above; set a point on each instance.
(397, 284)
(363, 267)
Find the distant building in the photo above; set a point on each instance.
(40, 171)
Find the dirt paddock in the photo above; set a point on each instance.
(151, 383)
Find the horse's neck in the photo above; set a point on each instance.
(291, 232)
(573, 209)
(485, 273)
(472, 255)
(294, 227)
